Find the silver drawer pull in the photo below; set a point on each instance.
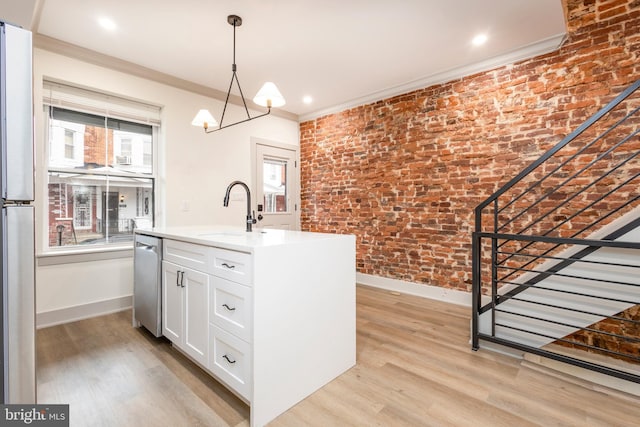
(180, 278)
(229, 308)
(231, 267)
(228, 360)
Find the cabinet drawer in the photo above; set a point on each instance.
(186, 254)
(232, 265)
(230, 360)
(231, 307)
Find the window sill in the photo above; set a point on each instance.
(70, 256)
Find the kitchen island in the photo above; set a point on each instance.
(269, 313)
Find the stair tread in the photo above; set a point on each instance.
(599, 289)
(557, 314)
(577, 302)
(533, 325)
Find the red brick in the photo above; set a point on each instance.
(404, 174)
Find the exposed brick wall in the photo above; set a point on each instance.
(60, 212)
(98, 146)
(404, 174)
(630, 328)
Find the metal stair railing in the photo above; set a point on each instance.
(542, 223)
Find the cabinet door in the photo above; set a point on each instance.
(171, 303)
(196, 295)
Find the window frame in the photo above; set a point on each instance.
(62, 254)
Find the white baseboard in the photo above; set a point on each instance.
(452, 296)
(99, 308)
(84, 311)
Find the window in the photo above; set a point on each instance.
(100, 169)
(69, 148)
(274, 184)
(125, 146)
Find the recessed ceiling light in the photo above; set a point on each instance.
(479, 40)
(107, 23)
(307, 99)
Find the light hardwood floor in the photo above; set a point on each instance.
(414, 368)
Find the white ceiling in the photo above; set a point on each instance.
(340, 52)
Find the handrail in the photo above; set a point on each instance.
(573, 135)
(544, 224)
(576, 174)
(580, 231)
(572, 157)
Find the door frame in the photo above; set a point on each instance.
(295, 181)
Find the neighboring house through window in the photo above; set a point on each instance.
(82, 208)
(100, 167)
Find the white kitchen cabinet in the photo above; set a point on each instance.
(230, 317)
(270, 314)
(196, 313)
(185, 312)
(230, 360)
(172, 303)
(232, 265)
(231, 307)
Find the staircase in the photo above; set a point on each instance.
(597, 283)
(556, 251)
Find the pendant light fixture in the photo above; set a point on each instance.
(268, 96)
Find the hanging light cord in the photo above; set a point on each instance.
(268, 95)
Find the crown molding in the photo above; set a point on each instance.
(73, 51)
(90, 56)
(526, 52)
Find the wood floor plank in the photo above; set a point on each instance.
(414, 368)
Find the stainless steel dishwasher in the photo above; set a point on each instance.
(147, 280)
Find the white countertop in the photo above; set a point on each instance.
(235, 238)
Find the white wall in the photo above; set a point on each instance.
(194, 173)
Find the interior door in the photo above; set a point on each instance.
(276, 187)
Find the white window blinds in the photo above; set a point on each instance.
(93, 102)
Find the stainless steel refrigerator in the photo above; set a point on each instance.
(17, 231)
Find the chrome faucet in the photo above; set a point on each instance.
(250, 219)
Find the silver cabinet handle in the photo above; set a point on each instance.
(230, 267)
(229, 308)
(180, 279)
(228, 360)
